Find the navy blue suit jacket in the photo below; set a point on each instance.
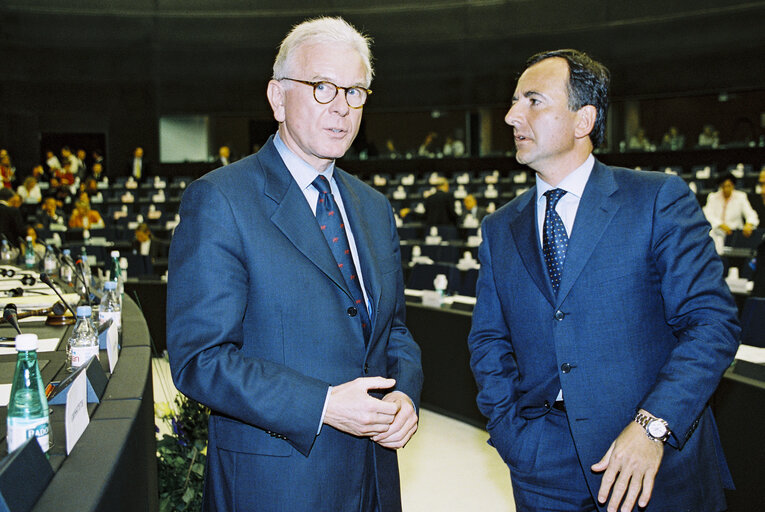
(643, 319)
(258, 328)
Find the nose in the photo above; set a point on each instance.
(512, 117)
(339, 105)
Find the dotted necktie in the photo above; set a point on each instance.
(331, 223)
(554, 239)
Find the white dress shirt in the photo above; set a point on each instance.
(304, 175)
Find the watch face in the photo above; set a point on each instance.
(657, 429)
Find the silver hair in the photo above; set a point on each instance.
(322, 30)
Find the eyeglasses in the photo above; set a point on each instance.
(324, 92)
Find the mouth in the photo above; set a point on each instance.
(520, 138)
(336, 131)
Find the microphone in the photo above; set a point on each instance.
(63, 261)
(10, 315)
(46, 279)
(81, 267)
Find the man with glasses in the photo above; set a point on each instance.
(286, 304)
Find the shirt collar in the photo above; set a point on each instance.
(573, 184)
(301, 172)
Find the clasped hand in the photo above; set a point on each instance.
(390, 421)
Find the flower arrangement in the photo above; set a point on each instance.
(181, 455)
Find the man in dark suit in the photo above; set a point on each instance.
(139, 167)
(439, 206)
(602, 324)
(11, 221)
(286, 305)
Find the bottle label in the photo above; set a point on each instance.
(80, 355)
(21, 429)
(116, 317)
(50, 266)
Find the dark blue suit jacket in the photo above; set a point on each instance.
(643, 318)
(258, 329)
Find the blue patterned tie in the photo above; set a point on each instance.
(331, 223)
(554, 239)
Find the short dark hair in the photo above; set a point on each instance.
(725, 177)
(588, 82)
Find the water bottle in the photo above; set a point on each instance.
(29, 254)
(50, 263)
(110, 306)
(116, 274)
(28, 414)
(83, 343)
(86, 273)
(6, 254)
(67, 267)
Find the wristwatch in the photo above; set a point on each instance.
(655, 428)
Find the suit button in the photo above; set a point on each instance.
(565, 367)
(352, 311)
(547, 404)
(366, 368)
(559, 315)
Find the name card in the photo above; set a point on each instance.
(77, 418)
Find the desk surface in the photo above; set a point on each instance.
(100, 473)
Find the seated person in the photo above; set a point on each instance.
(11, 221)
(29, 191)
(84, 217)
(145, 244)
(48, 214)
(36, 246)
(472, 208)
(757, 199)
(728, 209)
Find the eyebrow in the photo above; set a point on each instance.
(321, 78)
(529, 94)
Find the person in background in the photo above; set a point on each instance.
(52, 162)
(29, 191)
(472, 208)
(145, 244)
(428, 146)
(439, 206)
(84, 217)
(7, 171)
(139, 166)
(673, 140)
(11, 221)
(602, 324)
(96, 172)
(709, 137)
(38, 248)
(48, 214)
(285, 302)
(639, 142)
(727, 210)
(223, 158)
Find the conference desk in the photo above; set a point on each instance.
(113, 466)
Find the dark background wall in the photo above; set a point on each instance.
(114, 67)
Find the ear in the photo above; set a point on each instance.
(276, 97)
(585, 121)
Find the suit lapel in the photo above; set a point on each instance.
(293, 216)
(596, 209)
(526, 237)
(370, 271)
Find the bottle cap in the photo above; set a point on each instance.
(26, 342)
(115, 254)
(83, 311)
(67, 252)
(110, 285)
